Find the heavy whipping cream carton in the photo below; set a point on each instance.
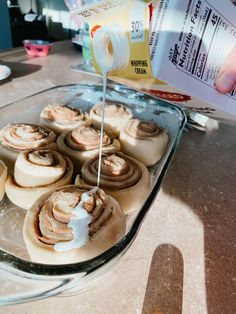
(172, 49)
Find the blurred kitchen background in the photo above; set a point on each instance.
(35, 19)
(40, 19)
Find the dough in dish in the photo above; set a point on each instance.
(82, 144)
(37, 172)
(116, 116)
(123, 177)
(62, 118)
(15, 138)
(3, 177)
(144, 141)
(71, 225)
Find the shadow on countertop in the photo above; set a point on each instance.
(211, 193)
(19, 69)
(164, 291)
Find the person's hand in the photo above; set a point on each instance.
(226, 78)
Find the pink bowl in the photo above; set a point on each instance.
(37, 48)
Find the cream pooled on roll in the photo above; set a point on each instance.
(116, 115)
(3, 177)
(37, 172)
(82, 144)
(79, 222)
(144, 140)
(72, 224)
(61, 118)
(125, 178)
(15, 138)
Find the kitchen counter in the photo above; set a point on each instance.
(183, 259)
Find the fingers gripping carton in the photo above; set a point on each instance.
(172, 49)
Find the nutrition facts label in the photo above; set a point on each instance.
(205, 40)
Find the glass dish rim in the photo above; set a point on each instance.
(38, 269)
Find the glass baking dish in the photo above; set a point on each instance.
(22, 280)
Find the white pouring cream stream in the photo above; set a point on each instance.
(104, 77)
(115, 58)
(107, 61)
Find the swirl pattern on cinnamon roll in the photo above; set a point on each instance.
(15, 138)
(71, 225)
(143, 140)
(125, 178)
(62, 118)
(37, 172)
(82, 144)
(3, 177)
(116, 116)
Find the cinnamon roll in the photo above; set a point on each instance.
(144, 141)
(62, 118)
(82, 144)
(71, 225)
(37, 172)
(116, 116)
(123, 177)
(15, 138)
(3, 177)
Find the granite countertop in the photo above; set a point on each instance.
(183, 259)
